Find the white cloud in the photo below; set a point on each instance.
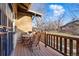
(57, 9)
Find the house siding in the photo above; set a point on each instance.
(24, 22)
(6, 34)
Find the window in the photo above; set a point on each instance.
(6, 42)
(0, 17)
(10, 25)
(0, 36)
(10, 6)
(4, 19)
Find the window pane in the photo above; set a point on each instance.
(0, 17)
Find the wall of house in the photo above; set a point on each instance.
(6, 20)
(24, 22)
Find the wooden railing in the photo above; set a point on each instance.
(67, 45)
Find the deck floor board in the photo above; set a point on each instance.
(21, 50)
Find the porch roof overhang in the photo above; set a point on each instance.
(24, 9)
(34, 13)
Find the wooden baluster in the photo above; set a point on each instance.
(65, 46)
(48, 40)
(45, 40)
(71, 47)
(0, 45)
(51, 40)
(54, 41)
(61, 44)
(57, 42)
(77, 47)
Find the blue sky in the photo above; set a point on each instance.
(54, 10)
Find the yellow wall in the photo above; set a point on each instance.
(24, 22)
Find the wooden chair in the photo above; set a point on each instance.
(36, 40)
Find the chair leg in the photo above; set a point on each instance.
(31, 49)
(39, 46)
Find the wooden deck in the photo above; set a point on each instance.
(24, 51)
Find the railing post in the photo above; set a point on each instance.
(77, 47)
(65, 46)
(57, 42)
(61, 44)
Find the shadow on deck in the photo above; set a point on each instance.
(21, 50)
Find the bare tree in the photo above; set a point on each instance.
(40, 21)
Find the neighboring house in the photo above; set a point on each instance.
(14, 19)
(71, 27)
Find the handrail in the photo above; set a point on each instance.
(67, 36)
